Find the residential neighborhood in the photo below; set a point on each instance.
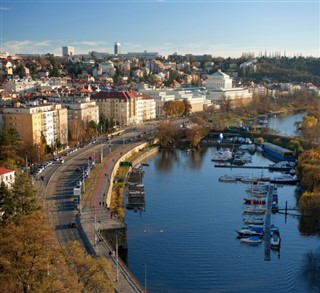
(53, 99)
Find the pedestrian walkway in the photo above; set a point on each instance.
(95, 216)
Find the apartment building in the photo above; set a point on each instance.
(195, 96)
(20, 86)
(81, 109)
(33, 121)
(126, 107)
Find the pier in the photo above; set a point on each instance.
(267, 226)
(250, 167)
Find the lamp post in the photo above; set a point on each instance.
(117, 261)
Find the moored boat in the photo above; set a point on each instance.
(254, 201)
(251, 240)
(254, 220)
(285, 179)
(275, 241)
(227, 178)
(278, 153)
(282, 166)
(250, 231)
(224, 155)
(254, 209)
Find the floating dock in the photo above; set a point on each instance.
(267, 226)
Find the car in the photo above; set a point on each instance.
(79, 184)
(78, 169)
(61, 161)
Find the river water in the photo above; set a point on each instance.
(185, 240)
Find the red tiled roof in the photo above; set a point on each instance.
(5, 171)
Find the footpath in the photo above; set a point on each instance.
(95, 216)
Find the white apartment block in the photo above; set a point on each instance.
(20, 86)
(197, 98)
(67, 51)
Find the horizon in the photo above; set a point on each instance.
(220, 28)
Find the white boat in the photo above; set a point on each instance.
(251, 240)
(275, 241)
(227, 178)
(248, 147)
(254, 209)
(285, 179)
(224, 155)
(282, 166)
(254, 220)
(250, 231)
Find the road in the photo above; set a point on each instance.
(58, 181)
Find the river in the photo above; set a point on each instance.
(185, 240)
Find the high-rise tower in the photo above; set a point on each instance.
(117, 48)
(67, 51)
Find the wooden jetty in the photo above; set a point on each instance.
(267, 226)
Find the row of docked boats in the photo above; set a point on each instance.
(254, 209)
(237, 157)
(283, 179)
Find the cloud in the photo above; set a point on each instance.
(27, 46)
(5, 8)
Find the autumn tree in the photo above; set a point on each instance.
(174, 108)
(30, 261)
(226, 104)
(187, 107)
(95, 274)
(310, 129)
(166, 133)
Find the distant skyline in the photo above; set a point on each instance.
(220, 28)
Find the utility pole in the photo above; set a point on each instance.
(117, 261)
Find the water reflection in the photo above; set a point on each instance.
(166, 160)
(311, 270)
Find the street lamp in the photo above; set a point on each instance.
(117, 261)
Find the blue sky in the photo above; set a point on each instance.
(220, 28)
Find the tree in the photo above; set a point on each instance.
(94, 274)
(9, 144)
(30, 261)
(310, 129)
(166, 133)
(226, 104)
(187, 107)
(18, 201)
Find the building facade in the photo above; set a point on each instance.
(219, 88)
(33, 122)
(67, 51)
(7, 176)
(117, 48)
(126, 107)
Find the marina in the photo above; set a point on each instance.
(186, 235)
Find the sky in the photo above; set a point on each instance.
(225, 28)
